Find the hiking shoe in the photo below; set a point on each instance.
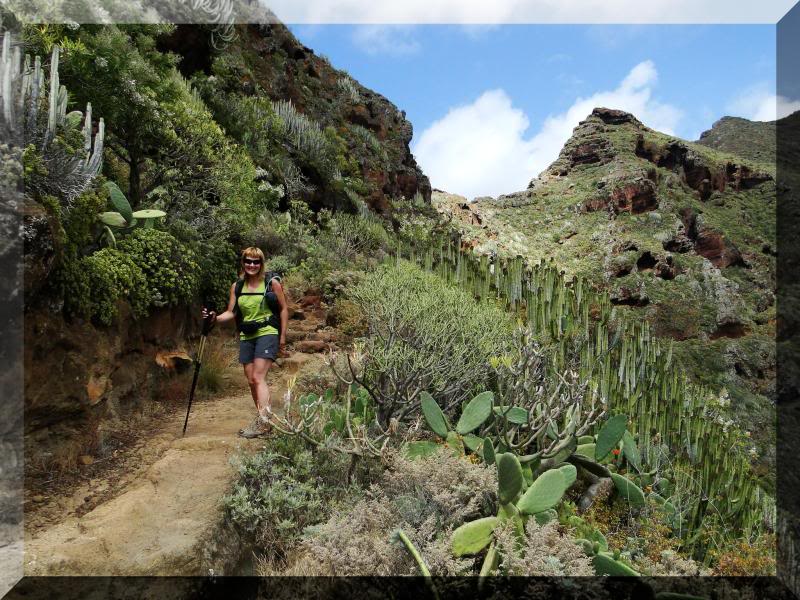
(253, 427)
(259, 427)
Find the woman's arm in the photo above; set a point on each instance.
(228, 314)
(278, 289)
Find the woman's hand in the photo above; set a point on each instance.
(209, 314)
(282, 346)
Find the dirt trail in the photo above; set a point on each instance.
(166, 518)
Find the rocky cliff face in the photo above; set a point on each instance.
(680, 234)
(271, 60)
(82, 381)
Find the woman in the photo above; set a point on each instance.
(260, 340)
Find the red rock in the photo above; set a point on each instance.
(311, 346)
(96, 388)
(635, 197)
(309, 301)
(171, 361)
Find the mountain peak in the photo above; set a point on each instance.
(753, 140)
(612, 116)
(591, 142)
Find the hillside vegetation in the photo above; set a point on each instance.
(483, 414)
(680, 234)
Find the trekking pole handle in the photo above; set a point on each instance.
(208, 322)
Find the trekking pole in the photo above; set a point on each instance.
(208, 323)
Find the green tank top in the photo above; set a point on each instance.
(253, 309)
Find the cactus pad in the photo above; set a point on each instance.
(609, 436)
(509, 478)
(513, 414)
(570, 474)
(545, 492)
(434, 415)
(604, 564)
(475, 413)
(474, 536)
(628, 490)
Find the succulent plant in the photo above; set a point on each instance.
(473, 415)
(626, 369)
(69, 172)
(517, 502)
(124, 217)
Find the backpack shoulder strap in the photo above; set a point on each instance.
(237, 290)
(271, 276)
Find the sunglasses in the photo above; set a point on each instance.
(255, 261)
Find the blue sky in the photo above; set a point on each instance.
(491, 106)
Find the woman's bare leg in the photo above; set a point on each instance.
(248, 372)
(259, 389)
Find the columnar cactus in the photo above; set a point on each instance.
(626, 369)
(21, 87)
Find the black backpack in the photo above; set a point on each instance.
(271, 299)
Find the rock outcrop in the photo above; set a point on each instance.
(77, 376)
(681, 234)
(281, 67)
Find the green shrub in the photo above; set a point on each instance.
(81, 219)
(112, 275)
(351, 235)
(264, 234)
(315, 266)
(284, 489)
(426, 335)
(279, 264)
(348, 318)
(218, 260)
(76, 287)
(336, 283)
(170, 267)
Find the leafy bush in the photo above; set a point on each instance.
(111, 276)
(351, 235)
(81, 220)
(282, 490)
(170, 267)
(336, 283)
(218, 260)
(264, 234)
(348, 318)
(425, 335)
(279, 264)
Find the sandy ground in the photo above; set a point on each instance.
(161, 514)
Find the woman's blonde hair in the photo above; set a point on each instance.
(252, 252)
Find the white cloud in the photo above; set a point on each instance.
(482, 148)
(526, 11)
(759, 102)
(394, 40)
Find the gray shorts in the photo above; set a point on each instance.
(264, 346)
